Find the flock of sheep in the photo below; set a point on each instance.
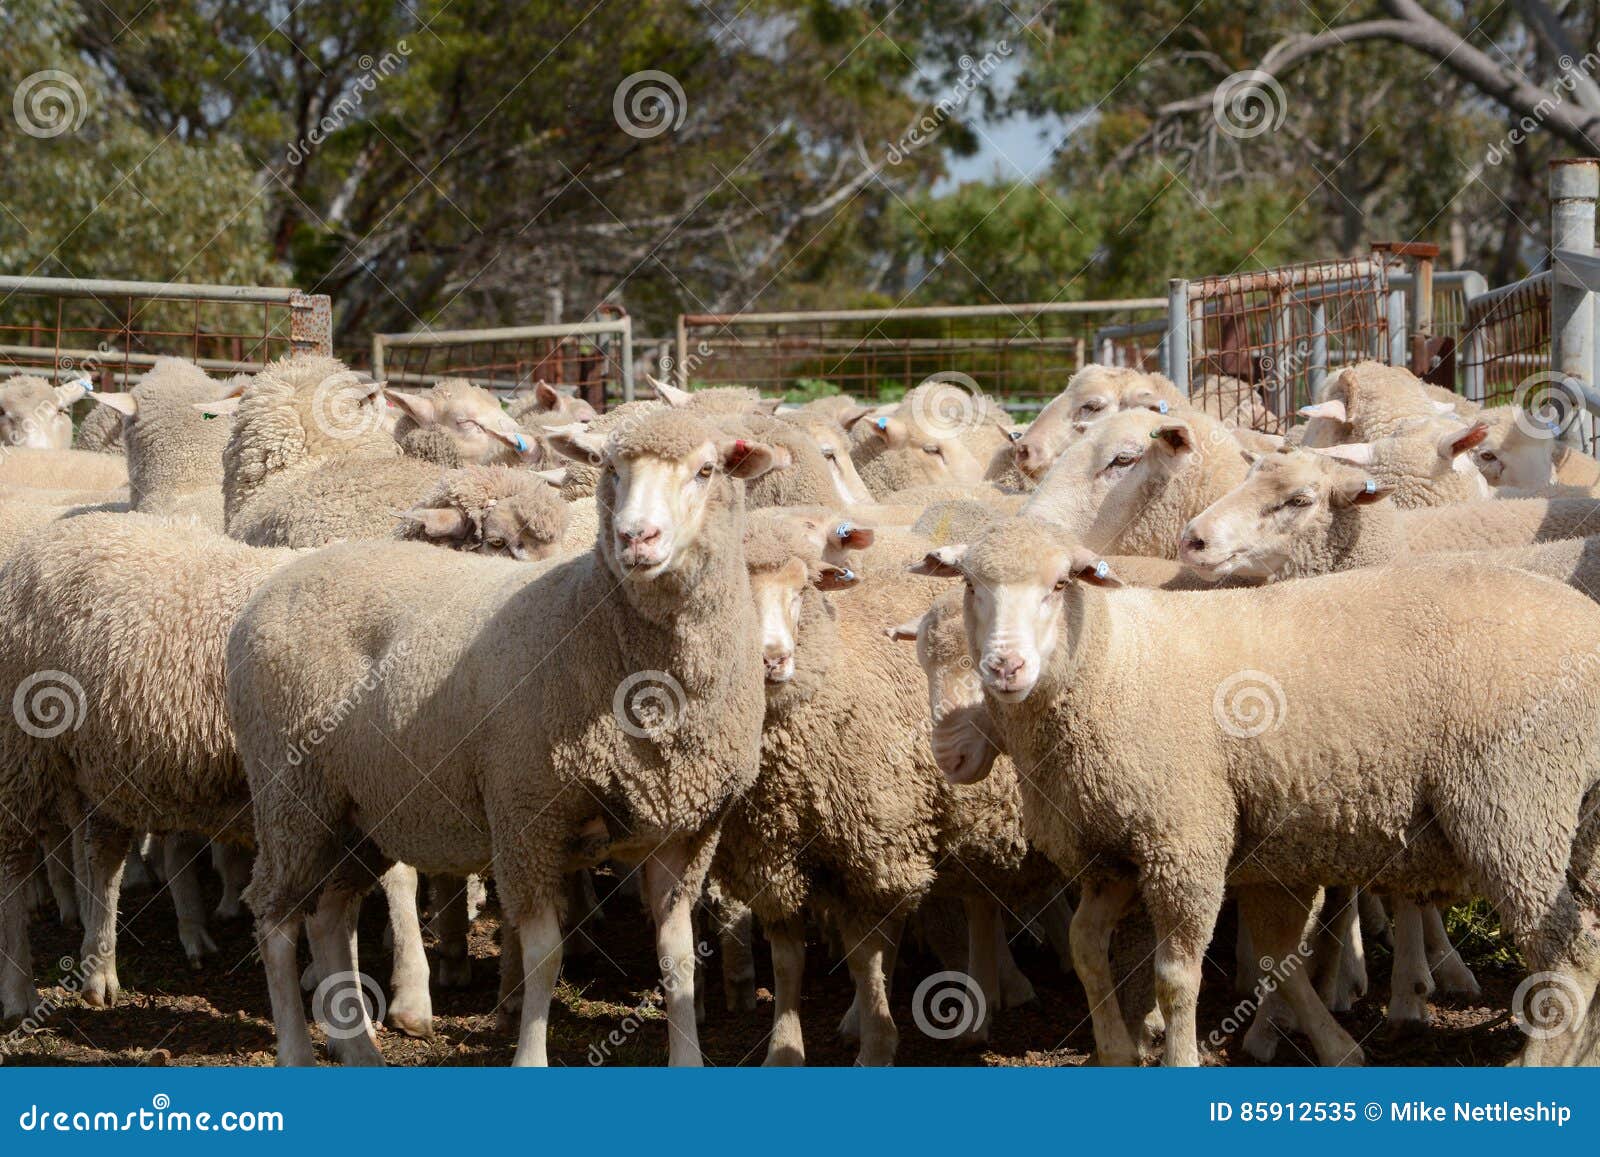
(817, 669)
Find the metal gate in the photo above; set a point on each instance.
(66, 327)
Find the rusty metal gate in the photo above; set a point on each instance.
(64, 327)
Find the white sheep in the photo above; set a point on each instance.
(36, 415)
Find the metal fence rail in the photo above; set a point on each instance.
(1506, 339)
(594, 359)
(1257, 346)
(1022, 354)
(64, 327)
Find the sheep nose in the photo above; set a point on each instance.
(779, 665)
(634, 537)
(1192, 543)
(1004, 668)
(1023, 451)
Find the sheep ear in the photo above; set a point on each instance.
(1330, 409)
(556, 477)
(546, 396)
(945, 562)
(1276, 441)
(852, 537)
(440, 522)
(234, 387)
(1460, 441)
(128, 406)
(528, 449)
(420, 409)
(1355, 453)
(1361, 493)
(767, 405)
(207, 409)
(905, 632)
(1250, 457)
(575, 441)
(1176, 436)
(891, 431)
(1444, 407)
(72, 393)
(854, 414)
(671, 395)
(742, 458)
(1091, 568)
(835, 578)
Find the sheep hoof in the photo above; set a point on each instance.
(101, 991)
(455, 972)
(309, 978)
(197, 944)
(1354, 1059)
(785, 1056)
(1261, 1040)
(229, 909)
(1016, 991)
(850, 1024)
(1408, 1022)
(741, 994)
(412, 1023)
(1453, 976)
(508, 1020)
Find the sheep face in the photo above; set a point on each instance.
(1286, 502)
(1434, 452)
(1109, 473)
(34, 414)
(777, 595)
(1092, 394)
(1512, 456)
(831, 440)
(514, 528)
(933, 457)
(830, 537)
(960, 720)
(482, 432)
(1020, 578)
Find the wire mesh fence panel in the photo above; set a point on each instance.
(113, 331)
(593, 360)
(1257, 346)
(1506, 339)
(1020, 354)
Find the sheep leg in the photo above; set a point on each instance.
(17, 994)
(59, 875)
(1410, 980)
(105, 852)
(451, 925)
(1375, 926)
(278, 941)
(788, 942)
(983, 966)
(1339, 949)
(340, 1002)
(1099, 908)
(540, 937)
(1055, 918)
(850, 1023)
(672, 897)
(866, 946)
(1016, 989)
(1245, 971)
(182, 853)
(1276, 926)
(410, 1005)
(1449, 970)
(735, 934)
(232, 863)
(508, 1005)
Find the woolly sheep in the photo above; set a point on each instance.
(37, 415)
(1091, 394)
(100, 431)
(665, 602)
(1428, 463)
(849, 812)
(545, 405)
(1510, 774)
(940, 433)
(1369, 400)
(833, 442)
(1522, 453)
(1131, 480)
(495, 510)
(63, 469)
(456, 423)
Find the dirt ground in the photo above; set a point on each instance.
(220, 1015)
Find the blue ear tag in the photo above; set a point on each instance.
(522, 446)
(882, 423)
(1163, 407)
(843, 532)
(1101, 569)
(86, 383)
(848, 575)
(1372, 487)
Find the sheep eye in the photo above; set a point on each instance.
(1487, 456)
(827, 452)
(1126, 458)
(932, 448)
(1299, 500)
(1061, 584)
(707, 470)
(1091, 407)
(497, 543)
